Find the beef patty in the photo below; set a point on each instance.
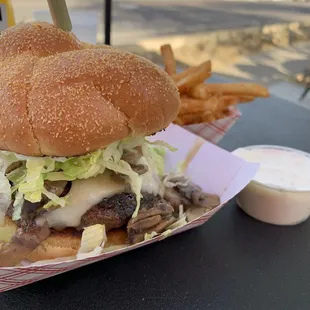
(116, 211)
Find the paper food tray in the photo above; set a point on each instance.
(215, 131)
(214, 169)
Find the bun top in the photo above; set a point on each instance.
(62, 97)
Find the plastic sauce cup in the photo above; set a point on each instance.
(280, 191)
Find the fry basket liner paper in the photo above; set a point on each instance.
(215, 170)
(215, 131)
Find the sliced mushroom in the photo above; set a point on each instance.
(132, 156)
(59, 188)
(134, 236)
(175, 198)
(199, 198)
(172, 180)
(13, 166)
(22, 244)
(139, 168)
(161, 207)
(144, 224)
(180, 191)
(155, 214)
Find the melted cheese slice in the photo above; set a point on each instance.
(83, 195)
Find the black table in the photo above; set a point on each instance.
(232, 262)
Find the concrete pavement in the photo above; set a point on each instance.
(134, 20)
(278, 68)
(271, 66)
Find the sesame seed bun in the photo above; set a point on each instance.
(62, 97)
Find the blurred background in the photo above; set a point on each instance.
(261, 40)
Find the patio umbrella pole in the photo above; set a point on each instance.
(107, 22)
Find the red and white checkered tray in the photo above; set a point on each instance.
(215, 170)
(215, 131)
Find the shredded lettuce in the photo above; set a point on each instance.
(54, 199)
(92, 237)
(18, 204)
(149, 236)
(155, 153)
(156, 159)
(167, 232)
(7, 231)
(6, 160)
(18, 175)
(179, 223)
(163, 144)
(28, 179)
(5, 197)
(33, 184)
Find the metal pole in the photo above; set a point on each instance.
(107, 22)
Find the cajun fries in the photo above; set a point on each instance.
(205, 103)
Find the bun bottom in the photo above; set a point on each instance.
(58, 244)
(65, 243)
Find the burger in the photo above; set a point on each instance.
(77, 171)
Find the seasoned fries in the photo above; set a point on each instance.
(205, 103)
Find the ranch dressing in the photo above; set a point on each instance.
(280, 167)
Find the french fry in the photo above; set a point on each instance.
(206, 103)
(169, 60)
(239, 89)
(245, 99)
(198, 105)
(192, 106)
(188, 119)
(219, 109)
(209, 117)
(224, 113)
(236, 100)
(188, 82)
(227, 101)
(227, 113)
(179, 76)
(215, 104)
(199, 92)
